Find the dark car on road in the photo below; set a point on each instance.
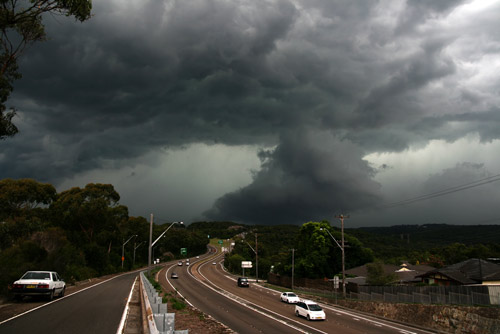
(243, 282)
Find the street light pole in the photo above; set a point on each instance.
(168, 228)
(343, 256)
(151, 244)
(256, 258)
(135, 247)
(123, 247)
(150, 238)
(293, 264)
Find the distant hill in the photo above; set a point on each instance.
(433, 234)
(434, 244)
(222, 230)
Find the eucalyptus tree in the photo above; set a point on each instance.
(23, 208)
(89, 211)
(319, 255)
(20, 27)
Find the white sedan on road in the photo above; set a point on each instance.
(289, 297)
(39, 283)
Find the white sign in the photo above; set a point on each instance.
(336, 282)
(246, 264)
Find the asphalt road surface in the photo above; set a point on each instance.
(95, 310)
(259, 310)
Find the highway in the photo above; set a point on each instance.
(99, 308)
(96, 310)
(259, 310)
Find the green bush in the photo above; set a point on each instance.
(177, 304)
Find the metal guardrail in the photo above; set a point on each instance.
(159, 320)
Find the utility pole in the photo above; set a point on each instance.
(256, 260)
(342, 217)
(293, 264)
(150, 241)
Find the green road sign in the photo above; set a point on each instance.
(220, 242)
(184, 251)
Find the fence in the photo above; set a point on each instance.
(458, 295)
(159, 320)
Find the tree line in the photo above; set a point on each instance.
(314, 254)
(80, 232)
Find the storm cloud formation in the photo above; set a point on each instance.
(346, 104)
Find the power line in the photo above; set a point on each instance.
(444, 192)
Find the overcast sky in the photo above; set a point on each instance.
(269, 111)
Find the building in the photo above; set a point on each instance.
(469, 272)
(406, 273)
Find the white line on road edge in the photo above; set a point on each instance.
(125, 311)
(381, 323)
(235, 299)
(370, 319)
(173, 287)
(67, 296)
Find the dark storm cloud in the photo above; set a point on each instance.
(324, 82)
(194, 72)
(310, 175)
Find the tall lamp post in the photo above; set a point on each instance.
(343, 257)
(123, 247)
(256, 251)
(151, 244)
(293, 264)
(135, 247)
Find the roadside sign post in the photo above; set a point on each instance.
(184, 251)
(245, 264)
(336, 286)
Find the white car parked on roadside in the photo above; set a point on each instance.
(310, 310)
(39, 283)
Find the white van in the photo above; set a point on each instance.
(310, 310)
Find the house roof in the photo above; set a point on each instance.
(470, 271)
(405, 273)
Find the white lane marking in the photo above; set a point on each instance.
(236, 299)
(370, 320)
(66, 296)
(177, 291)
(125, 311)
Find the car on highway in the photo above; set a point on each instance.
(179, 263)
(214, 263)
(243, 282)
(289, 297)
(174, 275)
(310, 310)
(39, 283)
